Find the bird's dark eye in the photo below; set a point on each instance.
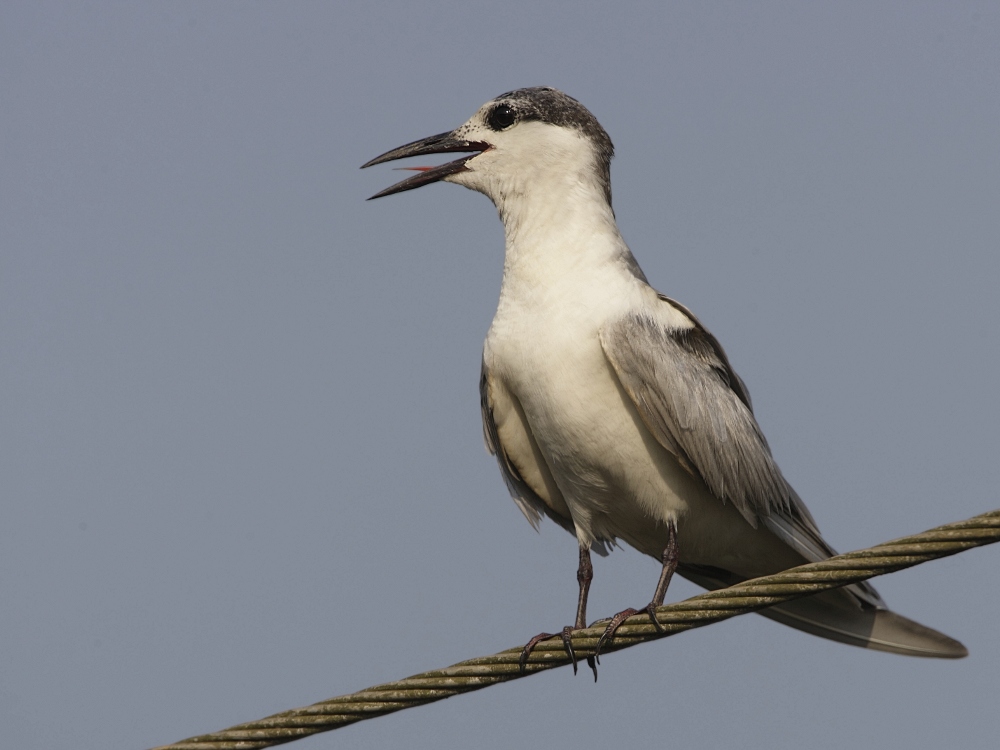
(501, 117)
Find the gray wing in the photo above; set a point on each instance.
(698, 408)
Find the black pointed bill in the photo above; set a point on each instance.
(441, 143)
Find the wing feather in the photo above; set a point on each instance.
(696, 406)
(689, 397)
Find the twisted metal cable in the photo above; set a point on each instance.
(695, 612)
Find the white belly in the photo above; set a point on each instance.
(617, 481)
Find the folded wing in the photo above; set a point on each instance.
(698, 408)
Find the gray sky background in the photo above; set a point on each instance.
(241, 451)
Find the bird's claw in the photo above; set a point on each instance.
(530, 646)
(609, 631)
(566, 635)
(651, 611)
(618, 620)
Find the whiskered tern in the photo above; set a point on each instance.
(610, 408)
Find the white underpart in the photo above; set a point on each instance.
(566, 275)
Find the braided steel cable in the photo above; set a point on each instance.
(695, 612)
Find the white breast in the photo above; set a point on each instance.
(544, 346)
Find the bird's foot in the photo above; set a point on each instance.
(619, 619)
(566, 635)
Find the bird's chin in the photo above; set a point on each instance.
(467, 178)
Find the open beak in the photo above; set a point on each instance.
(437, 144)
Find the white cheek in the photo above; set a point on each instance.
(477, 172)
(530, 159)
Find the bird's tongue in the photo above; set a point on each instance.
(426, 175)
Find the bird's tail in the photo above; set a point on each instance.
(842, 616)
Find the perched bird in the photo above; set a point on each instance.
(610, 408)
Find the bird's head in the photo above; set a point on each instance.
(529, 142)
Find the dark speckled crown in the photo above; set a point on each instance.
(545, 104)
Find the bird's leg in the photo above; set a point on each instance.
(584, 575)
(669, 559)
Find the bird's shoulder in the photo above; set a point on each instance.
(693, 337)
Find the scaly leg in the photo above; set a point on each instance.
(584, 575)
(669, 559)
